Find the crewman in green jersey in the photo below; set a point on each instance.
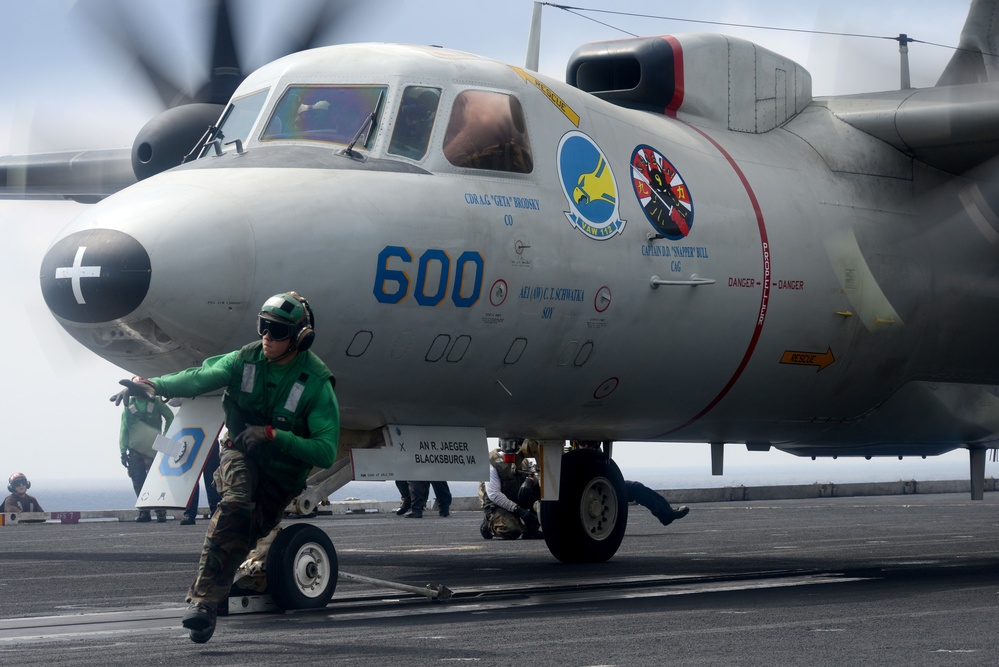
(142, 419)
(282, 418)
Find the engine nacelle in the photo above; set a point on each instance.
(163, 142)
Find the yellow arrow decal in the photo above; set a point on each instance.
(550, 94)
(820, 359)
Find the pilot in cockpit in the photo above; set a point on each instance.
(414, 122)
(312, 117)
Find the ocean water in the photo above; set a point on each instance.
(107, 494)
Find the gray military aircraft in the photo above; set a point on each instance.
(678, 243)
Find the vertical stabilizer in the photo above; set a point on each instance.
(976, 62)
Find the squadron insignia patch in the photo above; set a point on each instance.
(589, 186)
(662, 193)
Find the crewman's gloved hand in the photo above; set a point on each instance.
(252, 437)
(138, 387)
(521, 513)
(124, 458)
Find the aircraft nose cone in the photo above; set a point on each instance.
(95, 275)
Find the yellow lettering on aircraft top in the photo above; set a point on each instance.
(797, 358)
(550, 94)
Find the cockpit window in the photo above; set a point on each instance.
(240, 116)
(487, 130)
(324, 113)
(415, 120)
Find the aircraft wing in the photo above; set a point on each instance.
(85, 176)
(952, 128)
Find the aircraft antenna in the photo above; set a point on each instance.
(903, 54)
(534, 40)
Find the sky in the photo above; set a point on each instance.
(64, 85)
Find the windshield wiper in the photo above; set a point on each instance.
(365, 127)
(210, 136)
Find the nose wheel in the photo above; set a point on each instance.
(302, 568)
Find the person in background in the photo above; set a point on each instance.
(508, 497)
(142, 419)
(654, 502)
(19, 500)
(405, 501)
(442, 492)
(414, 498)
(643, 495)
(211, 493)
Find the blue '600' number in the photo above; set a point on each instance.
(393, 285)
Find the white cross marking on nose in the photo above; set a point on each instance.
(78, 271)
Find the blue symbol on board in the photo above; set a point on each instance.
(589, 186)
(190, 440)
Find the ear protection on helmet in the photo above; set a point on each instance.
(17, 476)
(306, 334)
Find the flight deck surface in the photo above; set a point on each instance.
(892, 580)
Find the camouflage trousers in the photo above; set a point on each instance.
(506, 526)
(252, 505)
(503, 523)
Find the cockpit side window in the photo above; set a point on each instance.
(487, 130)
(240, 116)
(414, 122)
(324, 113)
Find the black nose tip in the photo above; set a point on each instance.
(96, 275)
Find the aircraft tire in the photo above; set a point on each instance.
(587, 523)
(302, 568)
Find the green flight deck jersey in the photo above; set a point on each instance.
(296, 398)
(142, 419)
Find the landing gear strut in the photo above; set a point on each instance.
(977, 457)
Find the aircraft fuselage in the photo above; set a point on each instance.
(648, 278)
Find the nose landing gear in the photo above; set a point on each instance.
(302, 568)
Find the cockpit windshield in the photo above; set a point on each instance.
(324, 113)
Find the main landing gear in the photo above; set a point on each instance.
(587, 523)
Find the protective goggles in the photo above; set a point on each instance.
(20, 481)
(277, 330)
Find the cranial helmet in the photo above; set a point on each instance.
(17, 476)
(288, 315)
(286, 307)
(510, 445)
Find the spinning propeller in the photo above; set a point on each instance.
(189, 110)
